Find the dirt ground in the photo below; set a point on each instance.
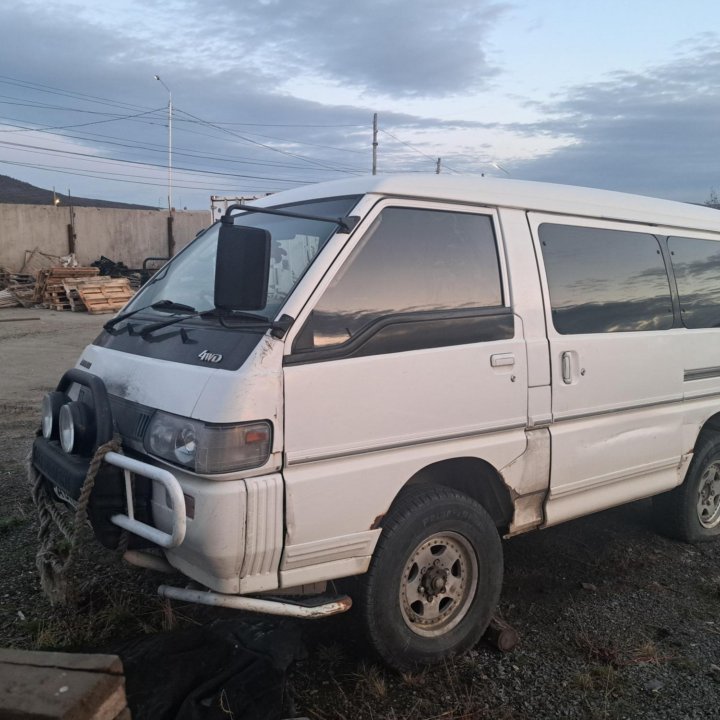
(36, 346)
(614, 620)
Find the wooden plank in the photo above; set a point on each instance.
(61, 686)
(67, 661)
(61, 272)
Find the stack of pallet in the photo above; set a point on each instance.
(81, 289)
(50, 291)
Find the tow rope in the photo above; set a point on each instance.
(58, 532)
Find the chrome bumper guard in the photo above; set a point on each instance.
(174, 494)
(306, 611)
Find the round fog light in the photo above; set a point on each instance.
(51, 404)
(67, 431)
(75, 427)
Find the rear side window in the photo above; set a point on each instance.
(697, 270)
(411, 263)
(604, 281)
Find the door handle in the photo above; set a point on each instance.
(502, 359)
(566, 362)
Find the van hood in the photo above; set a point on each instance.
(159, 384)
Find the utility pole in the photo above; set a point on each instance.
(437, 166)
(170, 109)
(72, 235)
(374, 144)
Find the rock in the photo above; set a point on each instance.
(654, 685)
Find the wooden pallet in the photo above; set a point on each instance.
(51, 281)
(50, 686)
(70, 288)
(105, 297)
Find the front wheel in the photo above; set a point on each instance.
(434, 580)
(691, 512)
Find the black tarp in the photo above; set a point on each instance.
(227, 669)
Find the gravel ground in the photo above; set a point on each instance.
(614, 620)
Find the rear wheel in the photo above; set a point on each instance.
(434, 580)
(691, 512)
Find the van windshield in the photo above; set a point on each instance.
(189, 278)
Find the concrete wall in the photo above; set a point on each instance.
(122, 235)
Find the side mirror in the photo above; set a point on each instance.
(242, 267)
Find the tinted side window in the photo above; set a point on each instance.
(603, 281)
(697, 270)
(410, 262)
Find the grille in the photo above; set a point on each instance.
(131, 419)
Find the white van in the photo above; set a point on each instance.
(385, 376)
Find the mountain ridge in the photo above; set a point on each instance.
(14, 191)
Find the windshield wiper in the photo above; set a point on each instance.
(163, 305)
(278, 327)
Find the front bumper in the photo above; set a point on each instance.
(122, 493)
(121, 497)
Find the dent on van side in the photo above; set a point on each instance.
(381, 378)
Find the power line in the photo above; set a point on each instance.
(93, 122)
(103, 139)
(135, 180)
(267, 147)
(36, 149)
(287, 125)
(309, 144)
(192, 119)
(65, 108)
(417, 150)
(68, 93)
(145, 115)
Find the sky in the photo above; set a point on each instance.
(270, 94)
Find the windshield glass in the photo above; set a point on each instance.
(189, 278)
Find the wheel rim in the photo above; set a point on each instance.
(438, 585)
(708, 506)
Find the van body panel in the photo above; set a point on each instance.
(613, 458)
(526, 295)
(525, 195)
(215, 541)
(339, 497)
(528, 479)
(700, 363)
(365, 404)
(254, 392)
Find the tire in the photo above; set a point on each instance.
(434, 580)
(691, 512)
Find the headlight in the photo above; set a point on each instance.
(208, 449)
(76, 429)
(51, 404)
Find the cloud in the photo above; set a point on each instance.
(230, 71)
(648, 132)
(411, 49)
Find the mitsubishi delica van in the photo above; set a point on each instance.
(383, 377)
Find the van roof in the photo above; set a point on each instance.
(523, 194)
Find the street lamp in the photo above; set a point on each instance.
(157, 77)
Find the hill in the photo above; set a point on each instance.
(19, 192)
